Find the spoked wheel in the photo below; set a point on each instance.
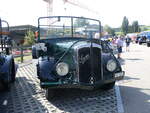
(108, 86)
(49, 93)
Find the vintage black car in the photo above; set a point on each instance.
(7, 65)
(71, 55)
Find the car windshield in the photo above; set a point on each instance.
(62, 26)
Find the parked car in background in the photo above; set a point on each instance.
(148, 39)
(144, 37)
(7, 65)
(70, 60)
(142, 40)
(137, 39)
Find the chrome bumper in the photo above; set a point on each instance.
(119, 75)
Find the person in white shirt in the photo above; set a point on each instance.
(119, 43)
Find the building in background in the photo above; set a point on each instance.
(17, 33)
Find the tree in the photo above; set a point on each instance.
(130, 29)
(135, 26)
(125, 25)
(109, 30)
(29, 38)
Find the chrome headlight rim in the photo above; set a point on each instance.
(62, 69)
(111, 65)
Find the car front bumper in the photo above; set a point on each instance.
(79, 85)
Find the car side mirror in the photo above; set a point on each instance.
(34, 53)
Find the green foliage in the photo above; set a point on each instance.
(125, 25)
(109, 30)
(130, 29)
(29, 38)
(145, 28)
(135, 26)
(119, 33)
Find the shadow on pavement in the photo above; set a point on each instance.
(135, 100)
(133, 59)
(27, 97)
(23, 97)
(4, 96)
(123, 60)
(81, 101)
(130, 78)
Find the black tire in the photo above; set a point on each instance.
(1, 86)
(49, 93)
(108, 86)
(140, 43)
(13, 72)
(148, 44)
(4, 86)
(7, 86)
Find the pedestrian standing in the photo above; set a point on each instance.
(128, 41)
(119, 43)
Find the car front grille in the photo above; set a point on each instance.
(89, 59)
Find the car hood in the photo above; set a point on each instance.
(56, 48)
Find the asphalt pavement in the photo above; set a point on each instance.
(135, 88)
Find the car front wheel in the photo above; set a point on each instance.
(108, 86)
(49, 93)
(13, 73)
(4, 86)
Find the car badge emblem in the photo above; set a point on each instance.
(83, 59)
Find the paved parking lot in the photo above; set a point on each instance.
(27, 97)
(135, 88)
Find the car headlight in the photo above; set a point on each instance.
(62, 69)
(111, 65)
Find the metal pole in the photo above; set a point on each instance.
(1, 41)
(21, 55)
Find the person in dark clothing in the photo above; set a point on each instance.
(128, 41)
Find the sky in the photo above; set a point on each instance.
(110, 12)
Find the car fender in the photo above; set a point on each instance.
(34, 52)
(108, 56)
(45, 70)
(5, 68)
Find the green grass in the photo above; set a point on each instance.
(25, 58)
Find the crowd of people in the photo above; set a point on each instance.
(120, 41)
